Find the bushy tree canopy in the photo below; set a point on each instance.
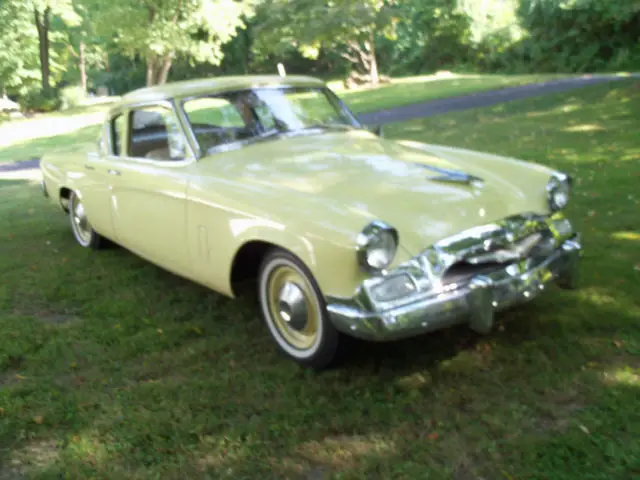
(161, 30)
(126, 43)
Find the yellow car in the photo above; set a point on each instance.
(272, 182)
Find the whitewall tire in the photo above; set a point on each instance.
(82, 230)
(295, 312)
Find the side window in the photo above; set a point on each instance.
(265, 115)
(118, 126)
(155, 134)
(216, 120)
(218, 112)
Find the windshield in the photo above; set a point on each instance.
(260, 113)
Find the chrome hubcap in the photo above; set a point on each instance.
(80, 223)
(292, 306)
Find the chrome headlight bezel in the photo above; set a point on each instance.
(374, 234)
(558, 191)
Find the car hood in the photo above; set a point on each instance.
(365, 177)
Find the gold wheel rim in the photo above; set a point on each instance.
(305, 334)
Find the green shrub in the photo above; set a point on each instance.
(41, 101)
(72, 96)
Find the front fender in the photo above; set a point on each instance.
(333, 264)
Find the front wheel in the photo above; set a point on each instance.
(83, 232)
(295, 312)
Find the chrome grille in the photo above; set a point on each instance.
(498, 255)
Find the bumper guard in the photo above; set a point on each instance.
(474, 303)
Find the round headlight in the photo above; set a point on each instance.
(558, 191)
(377, 245)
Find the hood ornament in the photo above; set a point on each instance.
(454, 176)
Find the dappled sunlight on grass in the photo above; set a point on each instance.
(32, 175)
(624, 375)
(46, 126)
(634, 236)
(405, 91)
(567, 108)
(585, 127)
(35, 455)
(76, 141)
(113, 368)
(343, 451)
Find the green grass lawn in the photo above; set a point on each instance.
(405, 91)
(113, 368)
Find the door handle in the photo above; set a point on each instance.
(113, 172)
(89, 167)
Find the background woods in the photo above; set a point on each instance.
(55, 51)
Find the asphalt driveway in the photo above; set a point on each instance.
(482, 99)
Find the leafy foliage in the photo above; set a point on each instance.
(580, 35)
(125, 44)
(311, 25)
(19, 68)
(432, 34)
(42, 100)
(71, 96)
(195, 29)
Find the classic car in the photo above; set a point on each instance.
(272, 182)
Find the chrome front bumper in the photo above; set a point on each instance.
(473, 303)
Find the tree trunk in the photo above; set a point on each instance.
(373, 62)
(83, 68)
(42, 24)
(246, 55)
(167, 61)
(151, 74)
(158, 68)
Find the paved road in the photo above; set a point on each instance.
(481, 99)
(438, 107)
(23, 165)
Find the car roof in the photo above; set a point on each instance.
(202, 86)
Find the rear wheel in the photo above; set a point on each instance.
(295, 312)
(83, 232)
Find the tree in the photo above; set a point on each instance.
(581, 35)
(86, 47)
(159, 31)
(347, 25)
(431, 34)
(18, 18)
(19, 68)
(43, 10)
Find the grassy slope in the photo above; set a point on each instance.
(406, 91)
(67, 131)
(112, 368)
